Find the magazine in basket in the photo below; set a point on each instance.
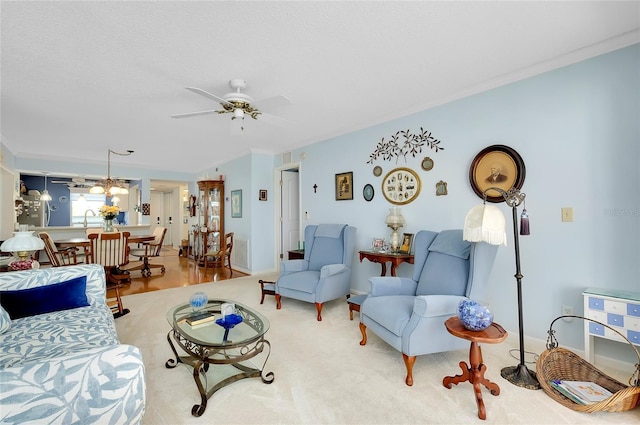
(582, 392)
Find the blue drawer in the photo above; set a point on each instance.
(634, 337)
(596, 303)
(615, 319)
(596, 329)
(633, 309)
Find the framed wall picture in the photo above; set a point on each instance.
(262, 195)
(496, 166)
(367, 192)
(236, 203)
(407, 242)
(401, 186)
(441, 188)
(344, 186)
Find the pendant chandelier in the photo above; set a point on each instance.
(45, 193)
(108, 186)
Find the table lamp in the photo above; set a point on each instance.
(394, 220)
(22, 244)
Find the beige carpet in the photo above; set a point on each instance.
(323, 375)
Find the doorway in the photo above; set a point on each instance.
(288, 216)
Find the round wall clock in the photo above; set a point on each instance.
(401, 186)
(367, 192)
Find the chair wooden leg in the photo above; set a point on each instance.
(363, 331)
(114, 283)
(278, 306)
(409, 362)
(319, 308)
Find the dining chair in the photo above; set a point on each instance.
(58, 256)
(111, 250)
(149, 249)
(221, 256)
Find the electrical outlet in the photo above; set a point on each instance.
(567, 310)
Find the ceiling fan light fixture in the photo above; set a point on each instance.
(238, 113)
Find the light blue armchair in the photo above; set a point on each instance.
(325, 272)
(409, 314)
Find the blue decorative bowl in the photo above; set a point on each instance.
(229, 321)
(474, 316)
(198, 300)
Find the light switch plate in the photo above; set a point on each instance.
(567, 214)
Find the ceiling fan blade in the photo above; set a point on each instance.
(273, 120)
(206, 94)
(270, 103)
(194, 114)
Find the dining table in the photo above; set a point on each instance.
(84, 243)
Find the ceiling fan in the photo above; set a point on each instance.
(240, 105)
(76, 182)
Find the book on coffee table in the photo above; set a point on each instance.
(200, 318)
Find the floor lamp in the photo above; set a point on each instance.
(486, 223)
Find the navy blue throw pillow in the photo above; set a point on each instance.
(45, 299)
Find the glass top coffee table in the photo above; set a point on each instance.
(210, 343)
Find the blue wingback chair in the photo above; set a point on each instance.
(325, 272)
(409, 314)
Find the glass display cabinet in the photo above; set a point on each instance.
(208, 236)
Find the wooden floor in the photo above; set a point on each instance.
(180, 271)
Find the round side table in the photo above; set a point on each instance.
(474, 372)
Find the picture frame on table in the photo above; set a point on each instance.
(496, 166)
(236, 203)
(407, 243)
(344, 186)
(377, 245)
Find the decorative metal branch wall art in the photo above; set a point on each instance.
(404, 143)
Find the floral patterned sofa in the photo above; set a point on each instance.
(65, 366)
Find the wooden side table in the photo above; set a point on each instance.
(296, 254)
(384, 257)
(475, 372)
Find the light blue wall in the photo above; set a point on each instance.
(251, 173)
(577, 129)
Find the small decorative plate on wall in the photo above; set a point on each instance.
(401, 186)
(367, 192)
(377, 171)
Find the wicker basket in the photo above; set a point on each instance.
(560, 364)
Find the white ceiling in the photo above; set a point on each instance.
(78, 78)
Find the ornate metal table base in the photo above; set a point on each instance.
(200, 357)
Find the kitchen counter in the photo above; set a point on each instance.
(67, 232)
